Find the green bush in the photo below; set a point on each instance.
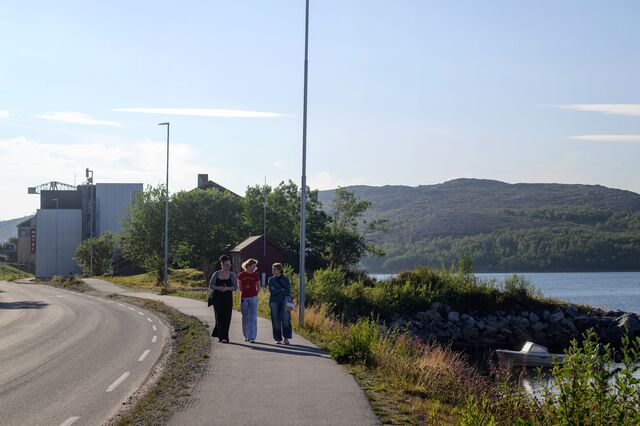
(588, 390)
(326, 286)
(358, 345)
(413, 291)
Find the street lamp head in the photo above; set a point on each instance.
(163, 124)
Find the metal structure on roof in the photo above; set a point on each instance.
(50, 186)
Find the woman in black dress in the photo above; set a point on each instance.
(222, 284)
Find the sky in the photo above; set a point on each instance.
(403, 92)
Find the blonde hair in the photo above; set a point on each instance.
(248, 262)
(278, 266)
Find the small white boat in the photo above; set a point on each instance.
(531, 355)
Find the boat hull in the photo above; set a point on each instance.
(528, 359)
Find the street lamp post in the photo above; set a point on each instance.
(303, 195)
(166, 212)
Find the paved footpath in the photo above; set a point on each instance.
(264, 383)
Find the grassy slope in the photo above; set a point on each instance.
(179, 279)
(8, 272)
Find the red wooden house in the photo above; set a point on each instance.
(255, 247)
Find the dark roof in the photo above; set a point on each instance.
(26, 222)
(211, 184)
(246, 243)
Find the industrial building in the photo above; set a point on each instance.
(67, 216)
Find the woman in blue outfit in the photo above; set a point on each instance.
(279, 292)
(222, 284)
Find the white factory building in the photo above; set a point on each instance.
(68, 216)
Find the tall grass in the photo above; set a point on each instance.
(345, 319)
(424, 371)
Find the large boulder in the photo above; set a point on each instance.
(629, 322)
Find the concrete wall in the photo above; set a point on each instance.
(59, 232)
(25, 255)
(112, 201)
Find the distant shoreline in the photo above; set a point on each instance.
(523, 272)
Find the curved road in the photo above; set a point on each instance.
(68, 358)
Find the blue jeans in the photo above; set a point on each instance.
(280, 321)
(249, 309)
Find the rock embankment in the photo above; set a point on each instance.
(553, 326)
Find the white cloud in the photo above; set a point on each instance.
(607, 138)
(204, 112)
(5, 114)
(325, 180)
(111, 160)
(614, 109)
(76, 118)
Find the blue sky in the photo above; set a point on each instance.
(400, 92)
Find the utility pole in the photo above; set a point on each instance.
(264, 218)
(303, 195)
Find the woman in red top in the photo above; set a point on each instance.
(249, 282)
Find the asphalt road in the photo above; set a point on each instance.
(68, 358)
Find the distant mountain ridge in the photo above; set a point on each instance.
(8, 228)
(488, 210)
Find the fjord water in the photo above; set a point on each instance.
(608, 290)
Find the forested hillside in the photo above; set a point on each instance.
(505, 227)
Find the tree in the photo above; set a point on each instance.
(349, 231)
(102, 247)
(143, 231)
(204, 223)
(283, 221)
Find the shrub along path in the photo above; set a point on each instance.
(264, 383)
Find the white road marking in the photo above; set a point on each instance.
(117, 382)
(144, 355)
(149, 319)
(69, 421)
(120, 304)
(154, 328)
(141, 313)
(154, 339)
(131, 308)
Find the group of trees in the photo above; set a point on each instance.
(539, 249)
(206, 223)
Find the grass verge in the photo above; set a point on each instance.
(11, 273)
(179, 279)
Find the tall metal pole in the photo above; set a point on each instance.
(303, 195)
(166, 213)
(264, 218)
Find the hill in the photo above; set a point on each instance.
(505, 227)
(8, 228)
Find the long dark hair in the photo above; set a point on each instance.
(222, 259)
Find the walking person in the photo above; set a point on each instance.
(279, 294)
(249, 282)
(222, 284)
